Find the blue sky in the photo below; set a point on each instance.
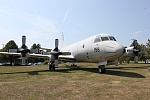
(44, 20)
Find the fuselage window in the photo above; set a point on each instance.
(104, 38)
(97, 39)
(83, 45)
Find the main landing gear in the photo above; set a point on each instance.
(52, 66)
(102, 69)
(73, 64)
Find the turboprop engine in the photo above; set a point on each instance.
(24, 50)
(54, 55)
(130, 51)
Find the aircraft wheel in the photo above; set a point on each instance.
(73, 65)
(51, 67)
(102, 69)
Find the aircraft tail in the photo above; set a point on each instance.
(63, 45)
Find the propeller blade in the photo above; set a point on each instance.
(56, 43)
(136, 59)
(23, 61)
(56, 63)
(23, 40)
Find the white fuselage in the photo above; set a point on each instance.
(91, 50)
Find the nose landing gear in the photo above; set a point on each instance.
(102, 69)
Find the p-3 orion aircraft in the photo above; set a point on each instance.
(101, 48)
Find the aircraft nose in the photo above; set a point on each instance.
(119, 49)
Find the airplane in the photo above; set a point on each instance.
(101, 48)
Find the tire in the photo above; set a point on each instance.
(102, 69)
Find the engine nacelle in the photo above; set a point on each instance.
(52, 58)
(45, 53)
(128, 51)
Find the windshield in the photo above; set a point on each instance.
(104, 38)
(112, 38)
(99, 39)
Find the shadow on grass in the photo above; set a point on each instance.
(110, 71)
(29, 72)
(124, 74)
(33, 73)
(130, 67)
(69, 69)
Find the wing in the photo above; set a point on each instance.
(28, 55)
(9, 53)
(38, 56)
(67, 57)
(64, 56)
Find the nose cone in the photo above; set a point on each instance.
(119, 49)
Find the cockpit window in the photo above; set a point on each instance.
(112, 38)
(104, 38)
(97, 39)
(109, 38)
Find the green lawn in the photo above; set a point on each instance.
(123, 82)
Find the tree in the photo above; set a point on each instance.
(35, 46)
(148, 44)
(147, 48)
(33, 60)
(10, 45)
(136, 45)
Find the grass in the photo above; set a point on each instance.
(123, 82)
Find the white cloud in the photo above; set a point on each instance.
(66, 15)
(63, 21)
(141, 32)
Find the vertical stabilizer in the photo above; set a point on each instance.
(62, 40)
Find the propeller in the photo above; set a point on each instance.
(55, 53)
(24, 50)
(136, 52)
(129, 51)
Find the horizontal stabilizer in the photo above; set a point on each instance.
(47, 49)
(34, 50)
